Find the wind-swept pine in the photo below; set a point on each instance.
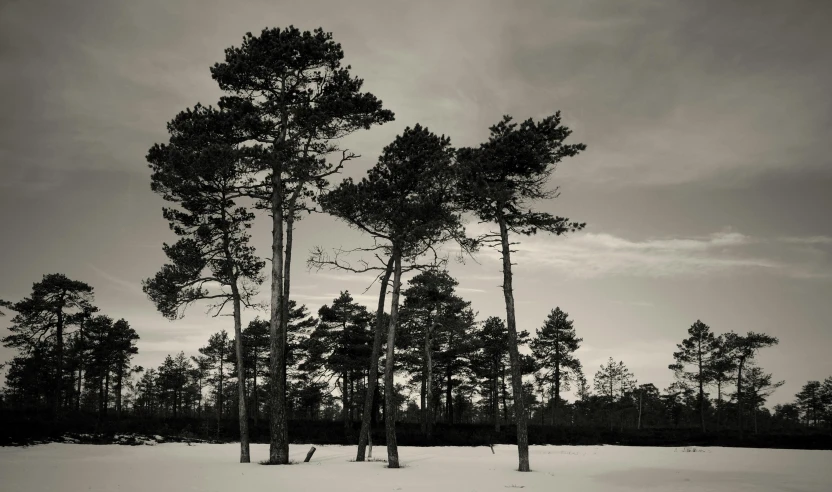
(554, 351)
(500, 180)
(697, 350)
(743, 348)
(405, 203)
(301, 101)
(201, 171)
(42, 322)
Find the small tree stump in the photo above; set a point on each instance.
(309, 454)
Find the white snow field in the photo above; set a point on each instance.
(62, 467)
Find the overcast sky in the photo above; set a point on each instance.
(705, 185)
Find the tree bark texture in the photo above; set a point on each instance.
(514, 354)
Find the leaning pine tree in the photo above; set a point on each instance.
(300, 101)
(500, 180)
(200, 171)
(406, 204)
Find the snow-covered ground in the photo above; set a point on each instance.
(60, 467)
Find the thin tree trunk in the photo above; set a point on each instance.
(389, 389)
(495, 400)
(59, 373)
(557, 378)
(372, 387)
(119, 377)
(255, 408)
(80, 362)
(449, 399)
(429, 378)
(345, 400)
(739, 397)
(287, 264)
(245, 452)
(370, 445)
(514, 354)
(101, 397)
(279, 437)
(701, 387)
(219, 395)
(423, 396)
(503, 391)
(106, 399)
(557, 394)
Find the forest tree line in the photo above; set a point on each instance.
(329, 356)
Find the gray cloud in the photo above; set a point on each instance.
(596, 255)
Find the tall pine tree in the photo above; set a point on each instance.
(301, 100)
(500, 180)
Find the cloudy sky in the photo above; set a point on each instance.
(705, 186)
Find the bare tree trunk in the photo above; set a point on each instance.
(740, 398)
(449, 400)
(287, 264)
(279, 436)
(389, 389)
(701, 387)
(106, 400)
(718, 403)
(370, 445)
(503, 392)
(255, 408)
(80, 362)
(557, 394)
(119, 377)
(495, 400)
(514, 354)
(59, 373)
(245, 453)
(429, 379)
(219, 394)
(372, 386)
(345, 400)
(423, 413)
(101, 397)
